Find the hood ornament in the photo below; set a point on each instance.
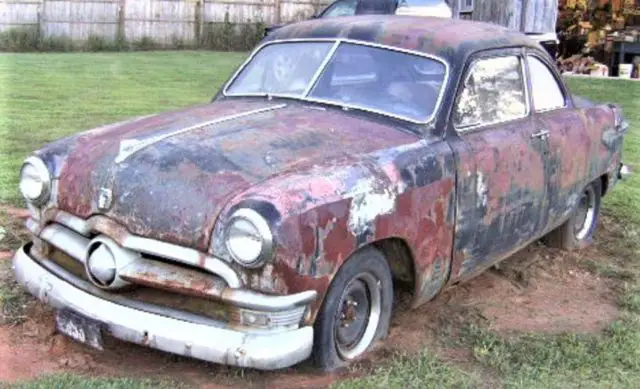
(105, 197)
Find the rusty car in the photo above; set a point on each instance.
(343, 160)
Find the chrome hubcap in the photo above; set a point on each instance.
(584, 214)
(358, 316)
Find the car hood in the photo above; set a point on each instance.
(167, 176)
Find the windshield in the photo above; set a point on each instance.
(352, 75)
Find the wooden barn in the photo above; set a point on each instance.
(531, 16)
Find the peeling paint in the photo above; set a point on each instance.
(482, 189)
(368, 201)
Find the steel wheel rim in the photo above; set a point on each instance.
(586, 214)
(370, 324)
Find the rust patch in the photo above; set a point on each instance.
(174, 278)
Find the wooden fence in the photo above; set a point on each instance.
(163, 21)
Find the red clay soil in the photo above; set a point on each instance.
(17, 213)
(538, 290)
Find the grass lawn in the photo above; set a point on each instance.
(60, 381)
(47, 96)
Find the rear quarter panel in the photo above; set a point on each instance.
(605, 140)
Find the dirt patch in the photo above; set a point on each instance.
(12, 231)
(538, 289)
(16, 213)
(34, 348)
(556, 299)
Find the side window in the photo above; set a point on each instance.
(493, 92)
(341, 8)
(546, 92)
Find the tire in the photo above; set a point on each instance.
(577, 232)
(335, 345)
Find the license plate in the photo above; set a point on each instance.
(79, 328)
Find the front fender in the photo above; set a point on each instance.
(321, 216)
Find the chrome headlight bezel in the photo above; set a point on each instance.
(263, 231)
(44, 176)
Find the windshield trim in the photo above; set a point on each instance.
(323, 65)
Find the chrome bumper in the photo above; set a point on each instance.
(265, 351)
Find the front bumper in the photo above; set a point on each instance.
(265, 351)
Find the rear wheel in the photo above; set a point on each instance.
(577, 232)
(356, 310)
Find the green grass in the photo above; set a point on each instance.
(69, 381)
(415, 371)
(563, 361)
(45, 97)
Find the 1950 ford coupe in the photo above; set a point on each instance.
(343, 156)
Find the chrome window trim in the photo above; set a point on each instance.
(560, 86)
(339, 41)
(321, 68)
(465, 129)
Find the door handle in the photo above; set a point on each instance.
(542, 134)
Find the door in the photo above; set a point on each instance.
(500, 165)
(568, 145)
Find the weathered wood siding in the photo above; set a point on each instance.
(244, 11)
(166, 21)
(162, 20)
(541, 16)
(79, 19)
(495, 11)
(523, 15)
(23, 13)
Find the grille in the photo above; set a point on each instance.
(191, 304)
(159, 277)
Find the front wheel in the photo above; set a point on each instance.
(356, 310)
(577, 232)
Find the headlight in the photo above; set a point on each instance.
(35, 181)
(248, 238)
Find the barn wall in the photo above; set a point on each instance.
(500, 12)
(524, 15)
(541, 16)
